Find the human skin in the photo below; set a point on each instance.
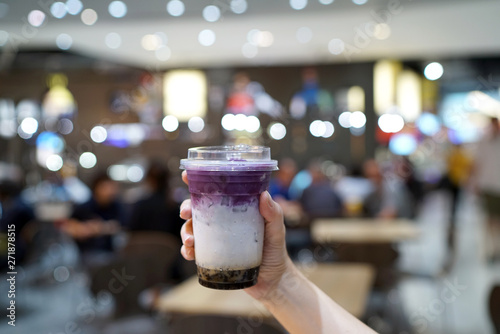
(299, 305)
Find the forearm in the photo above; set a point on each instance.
(301, 307)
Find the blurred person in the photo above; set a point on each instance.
(279, 185)
(487, 183)
(93, 223)
(15, 214)
(279, 188)
(298, 304)
(458, 169)
(320, 199)
(353, 189)
(405, 170)
(157, 211)
(388, 198)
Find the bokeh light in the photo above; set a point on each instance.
(317, 128)
(345, 119)
(298, 4)
(357, 119)
(238, 6)
(135, 173)
(228, 122)
(249, 50)
(196, 124)
(58, 10)
(36, 18)
(206, 37)
(117, 9)
(74, 7)
(170, 123)
(211, 13)
(391, 123)
(304, 35)
(402, 144)
(163, 53)
(336, 46)
(277, 131)
(54, 162)
(89, 16)
(175, 8)
(252, 124)
(433, 71)
(428, 124)
(98, 134)
(329, 129)
(64, 41)
(29, 125)
(88, 160)
(113, 40)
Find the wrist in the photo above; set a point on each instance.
(289, 280)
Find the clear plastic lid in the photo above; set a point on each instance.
(237, 157)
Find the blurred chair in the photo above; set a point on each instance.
(495, 307)
(145, 262)
(222, 324)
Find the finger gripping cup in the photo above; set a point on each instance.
(225, 183)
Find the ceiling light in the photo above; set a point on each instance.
(89, 16)
(175, 8)
(163, 53)
(211, 13)
(113, 40)
(249, 50)
(58, 10)
(206, 37)
(74, 6)
(64, 41)
(117, 9)
(150, 42)
(298, 4)
(36, 18)
(238, 6)
(304, 35)
(336, 46)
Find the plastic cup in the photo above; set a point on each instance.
(225, 183)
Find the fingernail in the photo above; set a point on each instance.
(269, 199)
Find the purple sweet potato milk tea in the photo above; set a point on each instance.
(225, 183)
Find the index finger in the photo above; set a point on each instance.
(184, 177)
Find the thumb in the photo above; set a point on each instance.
(273, 216)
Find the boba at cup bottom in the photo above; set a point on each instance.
(227, 279)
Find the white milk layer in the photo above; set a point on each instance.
(228, 237)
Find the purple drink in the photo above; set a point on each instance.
(225, 183)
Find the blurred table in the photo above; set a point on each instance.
(348, 284)
(363, 230)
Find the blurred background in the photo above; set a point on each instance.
(383, 115)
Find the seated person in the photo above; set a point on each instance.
(319, 199)
(93, 223)
(14, 215)
(156, 211)
(389, 197)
